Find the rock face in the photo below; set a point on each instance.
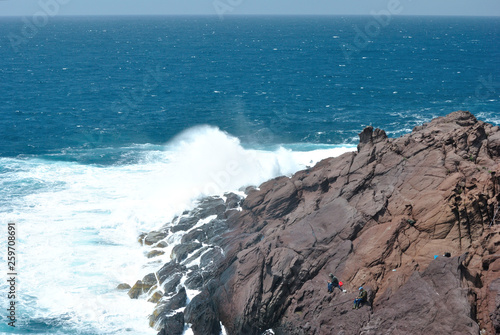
(377, 218)
(193, 241)
(441, 308)
(202, 313)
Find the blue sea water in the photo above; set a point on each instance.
(112, 125)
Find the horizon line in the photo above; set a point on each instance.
(252, 14)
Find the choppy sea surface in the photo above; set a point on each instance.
(111, 126)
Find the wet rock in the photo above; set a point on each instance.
(154, 253)
(165, 309)
(170, 285)
(232, 200)
(193, 259)
(173, 325)
(178, 301)
(171, 274)
(185, 223)
(141, 237)
(154, 236)
(123, 286)
(168, 270)
(210, 206)
(153, 288)
(202, 314)
(142, 286)
(149, 280)
(194, 235)
(161, 244)
(155, 297)
(138, 289)
(211, 257)
(195, 280)
(210, 233)
(181, 251)
(206, 207)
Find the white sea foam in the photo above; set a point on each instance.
(491, 117)
(78, 224)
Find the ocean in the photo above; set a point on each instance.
(111, 126)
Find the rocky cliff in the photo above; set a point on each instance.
(376, 218)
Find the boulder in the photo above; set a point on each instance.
(232, 200)
(181, 251)
(155, 297)
(163, 312)
(149, 280)
(154, 253)
(154, 237)
(123, 286)
(168, 270)
(202, 314)
(185, 223)
(170, 285)
(138, 289)
(173, 325)
(210, 206)
(161, 244)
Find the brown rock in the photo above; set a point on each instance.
(137, 290)
(155, 297)
(141, 237)
(154, 237)
(142, 286)
(432, 302)
(123, 286)
(154, 253)
(161, 244)
(375, 218)
(161, 316)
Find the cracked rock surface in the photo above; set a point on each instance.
(375, 218)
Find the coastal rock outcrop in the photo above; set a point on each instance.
(382, 218)
(191, 243)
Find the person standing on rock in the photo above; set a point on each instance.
(332, 283)
(362, 297)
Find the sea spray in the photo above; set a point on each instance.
(79, 223)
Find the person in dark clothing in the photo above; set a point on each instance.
(362, 297)
(332, 283)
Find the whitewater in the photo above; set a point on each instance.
(78, 224)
